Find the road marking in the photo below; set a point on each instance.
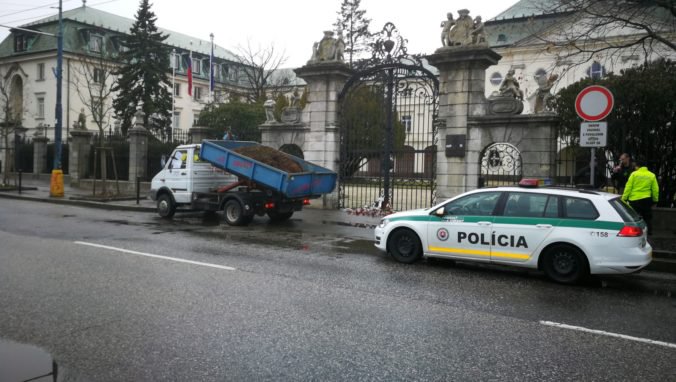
(609, 334)
(156, 256)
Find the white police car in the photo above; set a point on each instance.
(566, 233)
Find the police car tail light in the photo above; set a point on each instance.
(630, 231)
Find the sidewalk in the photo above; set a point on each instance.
(663, 242)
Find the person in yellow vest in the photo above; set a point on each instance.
(642, 191)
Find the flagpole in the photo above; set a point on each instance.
(173, 92)
(211, 70)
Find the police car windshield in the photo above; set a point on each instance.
(626, 212)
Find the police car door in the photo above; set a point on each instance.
(525, 222)
(463, 230)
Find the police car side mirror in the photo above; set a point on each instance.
(440, 211)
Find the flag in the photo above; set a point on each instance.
(190, 74)
(211, 66)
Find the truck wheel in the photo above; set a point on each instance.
(565, 264)
(233, 213)
(404, 246)
(166, 206)
(276, 216)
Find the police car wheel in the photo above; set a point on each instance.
(404, 246)
(166, 206)
(565, 264)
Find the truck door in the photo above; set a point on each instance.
(527, 220)
(464, 230)
(177, 175)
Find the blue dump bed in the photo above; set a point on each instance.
(311, 183)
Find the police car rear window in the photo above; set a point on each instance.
(627, 213)
(578, 208)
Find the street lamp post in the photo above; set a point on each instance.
(56, 187)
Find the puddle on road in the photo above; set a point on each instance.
(21, 362)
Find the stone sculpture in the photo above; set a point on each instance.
(463, 31)
(544, 94)
(269, 106)
(510, 86)
(328, 48)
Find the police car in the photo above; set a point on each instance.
(566, 233)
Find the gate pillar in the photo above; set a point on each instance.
(462, 74)
(325, 81)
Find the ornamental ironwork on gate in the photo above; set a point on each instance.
(500, 165)
(388, 136)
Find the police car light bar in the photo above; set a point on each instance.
(529, 183)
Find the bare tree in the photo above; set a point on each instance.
(7, 125)
(609, 28)
(94, 81)
(258, 65)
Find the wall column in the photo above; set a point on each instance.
(78, 158)
(325, 81)
(138, 149)
(198, 134)
(40, 155)
(462, 73)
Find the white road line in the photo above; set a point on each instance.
(609, 334)
(156, 256)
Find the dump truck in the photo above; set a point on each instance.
(214, 176)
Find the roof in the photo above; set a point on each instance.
(529, 8)
(92, 16)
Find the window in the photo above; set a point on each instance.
(41, 106)
(197, 94)
(496, 78)
(577, 208)
(177, 90)
(526, 205)
(195, 117)
(627, 213)
(596, 71)
(502, 37)
(407, 122)
(552, 209)
(196, 64)
(540, 73)
(99, 76)
(176, 120)
(95, 43)
(41, 71)
(20, 43)
(479, 204)
(175, 60)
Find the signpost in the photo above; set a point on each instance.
(593, 104)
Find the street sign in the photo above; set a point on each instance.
(593, 134)
(594, 103)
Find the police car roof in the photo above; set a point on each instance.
(554, 190)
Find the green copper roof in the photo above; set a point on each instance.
(528, 8)
(88, 16)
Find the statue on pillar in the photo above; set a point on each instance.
(291, 113)
(269, 106)
(544, 95)
(510, 86)
(81, 123)
(328, 48)
(446, 28)
(509, 99)
(462, 32)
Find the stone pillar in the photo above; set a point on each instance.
(198, 134)
(321, 146)
(276, 135)
(462, 73)
(78, 157)
(138, 149)
(40, 155)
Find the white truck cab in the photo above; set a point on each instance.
(183, 175)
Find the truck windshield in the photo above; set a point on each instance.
(626, 212)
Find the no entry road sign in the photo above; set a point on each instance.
(594, 103)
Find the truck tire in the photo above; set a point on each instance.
(233, 213)
(166, 207)
(276, 216)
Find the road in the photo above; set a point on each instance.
(127, 296)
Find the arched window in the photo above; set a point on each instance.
(596, 71)
(540, 73)
(502, 37)
(496, 78)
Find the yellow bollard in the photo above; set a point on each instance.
(56, 184)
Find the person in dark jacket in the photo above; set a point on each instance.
(622, 171)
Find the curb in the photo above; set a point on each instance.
(80, 203)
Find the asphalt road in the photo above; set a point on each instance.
(303, 301)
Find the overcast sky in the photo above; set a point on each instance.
(291, 25)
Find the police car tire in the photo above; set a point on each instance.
(565, 264)
(166, 207)
(404, 245)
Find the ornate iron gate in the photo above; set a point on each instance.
(500, 165)
(388, 133)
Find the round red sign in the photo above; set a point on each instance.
(594, 103)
